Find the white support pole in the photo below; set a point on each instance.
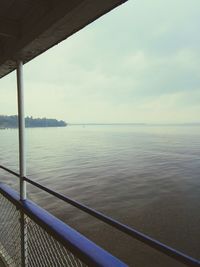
(22, 161)
(21, 120)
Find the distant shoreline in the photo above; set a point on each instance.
(11, 122)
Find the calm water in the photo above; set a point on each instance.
(145, 176)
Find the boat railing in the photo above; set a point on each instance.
(57, 240)
(31, 236)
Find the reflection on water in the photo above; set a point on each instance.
(146, 177)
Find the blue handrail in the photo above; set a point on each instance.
(167, 250)
(87, 251)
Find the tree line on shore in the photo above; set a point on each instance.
(12, 122)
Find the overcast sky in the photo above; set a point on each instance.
(138, 63)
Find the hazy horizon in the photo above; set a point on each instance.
(112, 123)
(139, 63)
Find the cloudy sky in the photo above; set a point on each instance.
(138, 63)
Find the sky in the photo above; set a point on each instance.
(140, 63)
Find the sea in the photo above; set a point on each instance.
(145, 176)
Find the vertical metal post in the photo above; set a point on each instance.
(22, 160)
(21, 120)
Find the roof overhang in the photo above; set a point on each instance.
(30, 27)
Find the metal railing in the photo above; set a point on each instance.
(171, 252)
(49, 241)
